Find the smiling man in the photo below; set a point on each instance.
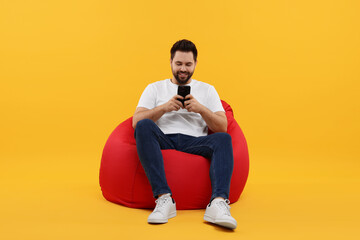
(162, 121)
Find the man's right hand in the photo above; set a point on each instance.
(154, 114)
(173, 104)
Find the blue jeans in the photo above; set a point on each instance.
(217, 147)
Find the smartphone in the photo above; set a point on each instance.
(183, 91)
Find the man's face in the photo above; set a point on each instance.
(183, 66)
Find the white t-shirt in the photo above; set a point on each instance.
(181, 121)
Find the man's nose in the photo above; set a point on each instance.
(183, 68)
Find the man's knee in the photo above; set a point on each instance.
(143, 128)
(144, 124)
(223, 138)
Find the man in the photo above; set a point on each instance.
(162, 121)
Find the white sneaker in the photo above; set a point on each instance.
(165, 209)
(218, 212)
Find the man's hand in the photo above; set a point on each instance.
(173, 104)
(155, 114)
(217, 121)
(192, 105)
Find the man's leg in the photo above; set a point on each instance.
(218, 148)
(149, 142)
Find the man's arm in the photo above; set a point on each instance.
(217, 122)
(154, 114)
(143, 113)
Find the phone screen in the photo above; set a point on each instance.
(183, 91)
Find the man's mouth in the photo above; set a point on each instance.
(183, 74)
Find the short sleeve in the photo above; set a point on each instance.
(148, 98)
(213, 101)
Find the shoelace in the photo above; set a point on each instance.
(224, 206)
(160, 202)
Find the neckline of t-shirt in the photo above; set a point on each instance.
(175, 85)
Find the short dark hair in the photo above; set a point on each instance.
(184, 46)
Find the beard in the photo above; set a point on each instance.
(182, 80)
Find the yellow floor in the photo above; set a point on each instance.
(48, 197)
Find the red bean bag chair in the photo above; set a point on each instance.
(123, 180)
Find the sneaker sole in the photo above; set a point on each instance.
(227, 224)
(164, 220)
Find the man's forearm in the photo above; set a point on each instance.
(153, 114)
(216, 122)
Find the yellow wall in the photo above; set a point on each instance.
(71, 71)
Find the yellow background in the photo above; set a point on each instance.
(72, 70)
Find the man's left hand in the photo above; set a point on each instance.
(192, 105)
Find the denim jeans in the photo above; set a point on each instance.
(217, 147)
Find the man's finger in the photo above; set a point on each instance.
(189, 96)
(178, 103)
